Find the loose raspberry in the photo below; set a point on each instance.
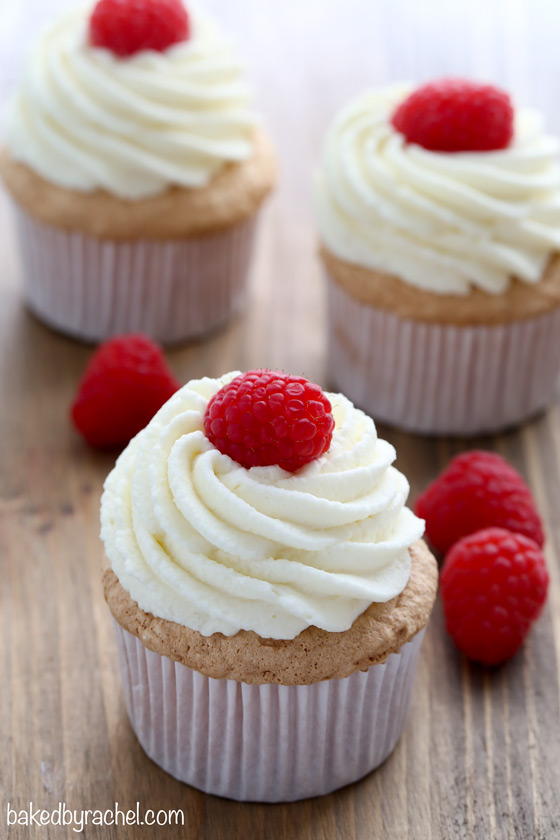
(265, 417)
(477, 490)
(493, 586)
(456, 115)
(124, 384)
(127, 26)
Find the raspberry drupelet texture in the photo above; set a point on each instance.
(477, 490)
(126, 381)
(493, 586)
(266, 417)
(128, 26)
(456, 115)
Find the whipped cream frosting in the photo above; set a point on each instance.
(197, 539)
(443, 222)
(85, 119)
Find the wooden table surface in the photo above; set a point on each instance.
(480, 756)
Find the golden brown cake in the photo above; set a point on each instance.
(233, 195)
(480, 308)
(314, 655)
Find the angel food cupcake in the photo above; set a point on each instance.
(439, 217)
(269, 587)
(137, 167)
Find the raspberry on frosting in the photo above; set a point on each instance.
(124, 384)
(128, 26)
(266, 417)
(493, 585)
(260, 550)
(456, 115)
(477, 490)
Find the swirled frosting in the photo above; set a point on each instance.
(85, 119)
(197, 539)
(443, 222)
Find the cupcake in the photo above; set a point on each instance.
(439, 218)
(269, 588)
(137, 167)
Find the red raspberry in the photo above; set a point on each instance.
(124, 384)
(456, 115)
(477, 490)
(265, 417)
(128, 26)
(493, 586)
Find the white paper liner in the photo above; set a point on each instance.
(440, 379)
(172, 290)
(265, 743)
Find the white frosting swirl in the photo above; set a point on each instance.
(440, 221)
(197, 539)
(84, 118)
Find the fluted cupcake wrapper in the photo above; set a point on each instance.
(172, 290)
(441, 379)
(265, 743)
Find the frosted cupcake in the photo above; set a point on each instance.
(137, 167)
(439, 217)
(268, 618)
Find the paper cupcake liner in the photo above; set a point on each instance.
(441, 379)
(173, 290)
(265, 743)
